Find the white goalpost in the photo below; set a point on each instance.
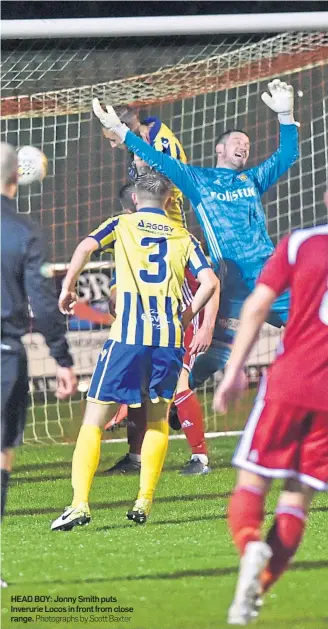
(198, 86)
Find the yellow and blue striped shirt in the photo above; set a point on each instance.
(151, 254)
(164, 140)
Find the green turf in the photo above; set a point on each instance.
(60, 422)
(177, 572)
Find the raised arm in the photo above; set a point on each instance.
(182, 175)
(281, 101)
(267, 173)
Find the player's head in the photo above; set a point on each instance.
(126, 195)
(152, 190)
(232, 149)
(9, 167)
(130, 116)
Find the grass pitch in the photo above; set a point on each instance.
(176, 572)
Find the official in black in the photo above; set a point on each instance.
(25, 277)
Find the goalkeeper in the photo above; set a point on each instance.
(227, 203)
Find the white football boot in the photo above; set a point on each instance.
(252, 564)
(72, 516)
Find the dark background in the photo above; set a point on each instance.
(67, 9)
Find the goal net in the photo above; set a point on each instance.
(198, 89)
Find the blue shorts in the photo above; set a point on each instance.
(217, 355)
(130, 374)
(227, 321)
(207, 364)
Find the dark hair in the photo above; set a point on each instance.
(126, 113)
(153, 185)
(224, 136)
(125, 196)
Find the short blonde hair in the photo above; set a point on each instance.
(151, 185)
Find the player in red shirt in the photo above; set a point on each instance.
(286, 435)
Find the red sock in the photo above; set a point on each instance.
(121, 414)
(284, 538)
(136, 428)
(245, 515)
(191, 419)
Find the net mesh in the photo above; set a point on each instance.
(198, 88)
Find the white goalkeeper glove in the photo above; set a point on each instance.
(281, 100)
(109, 119)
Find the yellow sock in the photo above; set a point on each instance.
(85, 462)
(153, 454)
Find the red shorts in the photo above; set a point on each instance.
(188, 359)
(282, 440)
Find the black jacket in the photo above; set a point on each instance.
(26, 276)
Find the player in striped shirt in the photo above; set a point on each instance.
(186, 412)
(160, 137)
(186, 402)
(142, 359)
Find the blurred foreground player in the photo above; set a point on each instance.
(25, 276)
(286, 435)
(140, 363)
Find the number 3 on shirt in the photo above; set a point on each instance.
(157, 258)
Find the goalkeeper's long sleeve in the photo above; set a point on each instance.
(228, 204)
(182, 175)
(267, 173)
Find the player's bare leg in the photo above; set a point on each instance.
(190, 418)
(153, 452)
(84, 465)
(246, 514)
(136, 427)
(287, 530)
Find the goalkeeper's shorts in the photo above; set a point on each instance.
(207, 364)
(131, 374)
(227, 321)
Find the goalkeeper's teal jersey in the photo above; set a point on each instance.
(228, 206)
